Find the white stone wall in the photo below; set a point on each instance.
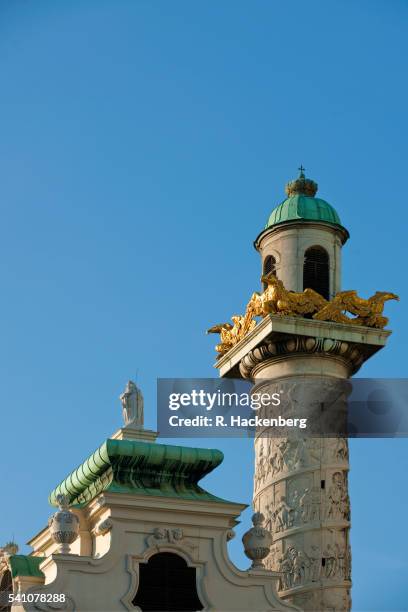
(125, 531)
(288, 244)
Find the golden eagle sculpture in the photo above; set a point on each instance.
(276, 299)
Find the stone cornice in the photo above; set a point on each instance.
(136, 467)
(296, 335)
(351, 354)
(341, 231)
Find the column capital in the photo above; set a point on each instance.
(279, 338)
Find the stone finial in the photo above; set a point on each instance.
(63, 525)
(10, 548)
(132, 406)
(257, 541)
(6, 551)
(301, 185)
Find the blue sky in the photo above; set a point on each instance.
(143, 146)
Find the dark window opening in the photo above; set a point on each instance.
(269, 266)
(316, 271)
(6, 589)
(167, 584)
(322, 484)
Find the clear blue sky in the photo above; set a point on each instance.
(143, 145)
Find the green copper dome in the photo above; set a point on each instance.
(304, 207)
(302, 204)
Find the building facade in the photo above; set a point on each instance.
(136, 531)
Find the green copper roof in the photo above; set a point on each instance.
(25, 565)
(135, 467)
(305, 208)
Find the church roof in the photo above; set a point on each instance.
(25, 565)
(302, 205)
(136, 467)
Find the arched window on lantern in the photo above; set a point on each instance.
(316, 271)
(167, 583)
(269, 266)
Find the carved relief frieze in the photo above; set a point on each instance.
(301, 560)
(336, 557)
(336, 450)
(277, 456)
(337, 499)
(299, 567)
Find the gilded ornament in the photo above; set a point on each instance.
(276, 299)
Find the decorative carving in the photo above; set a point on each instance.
(283, 515)
(104, 526)
(309, 506)
(232, 334)
(367, 312)
(338, 503)
(279, 458)
(262, 464)
(352, 353)
(315, 563)
(285, 454)
(301, 488)
(304, 506)
(63, 525)
(286, 571)
(298, 567)
(337, 561)
(230, 535)
(269, 516)
(300, 509)
(257, 541)
(295, 568)
(340, 451)
(168, 535)
(329, 556)
(271, 562)
(276, 299)
(347, 563)
(295, 512)
(132, 406)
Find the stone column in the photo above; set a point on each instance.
(300, 483)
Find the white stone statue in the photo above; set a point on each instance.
(132, 406)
